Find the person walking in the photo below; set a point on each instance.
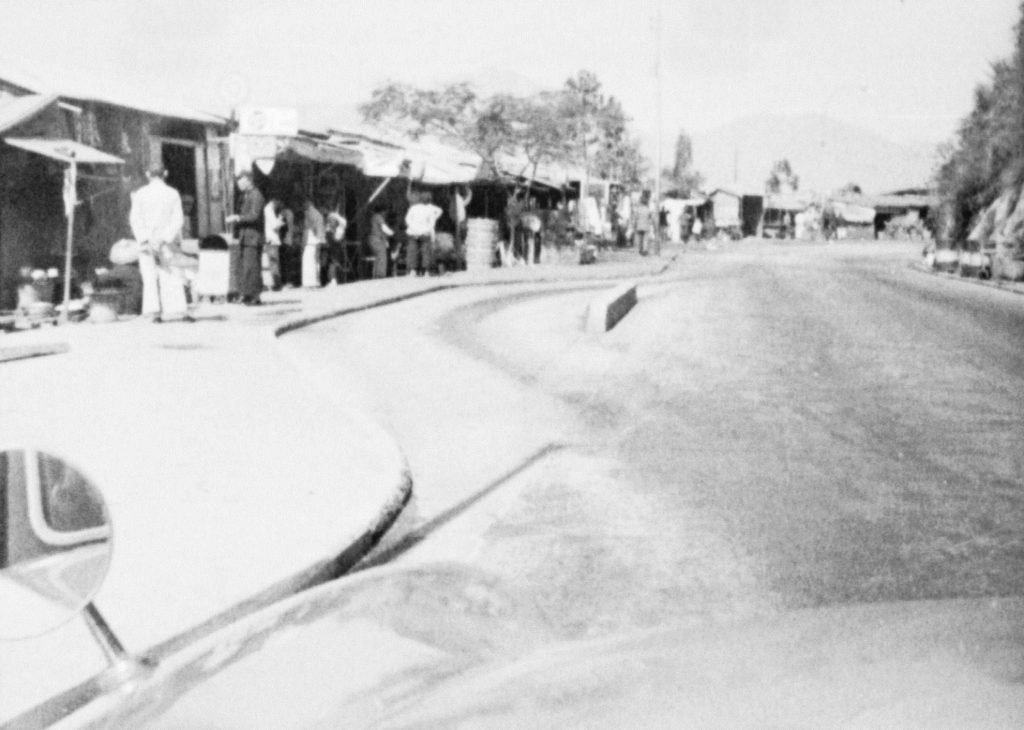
(378, 241)
(249, 225)
(156, 221)
(314, 237)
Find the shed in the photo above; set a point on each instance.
(191, 145)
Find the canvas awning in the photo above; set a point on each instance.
(64, 150)
(318, 151)
(851, 213)
(788, 203)
(425, 167)
(17, 109)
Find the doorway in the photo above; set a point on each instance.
(180, 162)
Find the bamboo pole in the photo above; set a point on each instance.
(70, 201)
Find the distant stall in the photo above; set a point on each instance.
(847, 220)
(738, 213)
(778, 217)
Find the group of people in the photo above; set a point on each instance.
(289, 247)
(528, 224)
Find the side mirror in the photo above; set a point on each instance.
(55, 542)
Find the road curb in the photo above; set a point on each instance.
(608, 309)
(23, 352)
(302, 321)
(1013, 287)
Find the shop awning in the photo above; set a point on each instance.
(65, 150)
(851, 213)
(788, 203)
(319, 151)
(424, 167)
(17, 109)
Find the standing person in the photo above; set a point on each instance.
(291, 250)
(643, 222)
(513, 217)
(460, 201)
(273, 223)
(420, 222)
(313, 238)
(156, 220)
(249, 224)
(662, 233)
(378, 241)
(530, 225)
(338, 265)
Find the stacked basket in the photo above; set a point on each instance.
(481, 235)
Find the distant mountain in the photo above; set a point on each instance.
(825, 153)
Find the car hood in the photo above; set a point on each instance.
(448, 646)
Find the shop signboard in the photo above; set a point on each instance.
(268, 120)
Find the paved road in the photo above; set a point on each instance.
(772, 427)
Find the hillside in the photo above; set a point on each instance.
(825, 153)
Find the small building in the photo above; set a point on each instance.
(735, 210)
(191, 145)
(845, 219)
(904, 211)
(778, 216)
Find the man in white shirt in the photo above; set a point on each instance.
(419, 228)
(156, 220)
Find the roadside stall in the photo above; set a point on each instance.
(70, 154)
(848, 220)
(292, 166)
(778, 218)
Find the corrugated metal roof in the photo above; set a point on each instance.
(852, 213)
(901, 201)
(108, 92)
(17, 109)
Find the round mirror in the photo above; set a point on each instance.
(54, 542)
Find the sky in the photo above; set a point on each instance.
(905, 69)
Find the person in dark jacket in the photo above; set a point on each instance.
(378, 241)
(249, 223)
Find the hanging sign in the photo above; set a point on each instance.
(268, 120)
(70, 190)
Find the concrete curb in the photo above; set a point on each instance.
(608, 309)
(307, 320)
(22, 352)
(323, 571)
(1013, 287)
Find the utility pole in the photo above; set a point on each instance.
(657, 172)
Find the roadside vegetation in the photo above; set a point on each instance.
(576, 124)
(984, 163)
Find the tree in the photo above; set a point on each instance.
(598, 131)
(538, 130)
(681, 177)
(986, 155)
(454, 113)
(781, 178)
